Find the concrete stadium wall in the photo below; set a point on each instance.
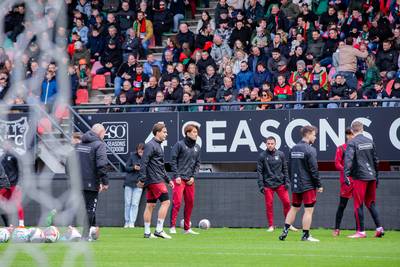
(233, 200)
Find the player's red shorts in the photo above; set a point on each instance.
(308, 198)
(364, 192)
(346, 191)
(156, 191)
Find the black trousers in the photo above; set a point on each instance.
(90, 198)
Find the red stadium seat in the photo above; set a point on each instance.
(98, 81)
(44, 126)
(82, 96)
(96, 65)
(389, 87)
(61, 112)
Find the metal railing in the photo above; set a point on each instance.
(305, 102)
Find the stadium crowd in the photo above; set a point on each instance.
(247, 51)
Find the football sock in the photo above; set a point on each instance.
(286, 228)
(147, 228)
(375, 215)
(340, 210)
(306, 233)
(160, 224)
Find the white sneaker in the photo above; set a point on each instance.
(126, 225)
(172, 230)
(131, 225)
(270, 229)
(149, 236)
(190, 231)
(293, 229)
(310, 239)
(162, 234)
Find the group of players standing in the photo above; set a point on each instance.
(356, 160)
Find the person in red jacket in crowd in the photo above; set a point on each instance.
(346, 191)
(282, 91)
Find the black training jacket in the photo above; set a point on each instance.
(272, 169)
(132, 175)
(92, 157)
(152, 169)
(303, 168)
(360, 160)
(4, 182)
(10, 165)
(185, 159)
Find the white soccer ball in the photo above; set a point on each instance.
(71, 235)
(182, 224)
(204, 224)
(94, 232)
(4, 235)
(37, 235)
(51, 234)
(20, 235)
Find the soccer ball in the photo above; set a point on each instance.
(4, 235)
(94, 232)
(204, 224)
(51, 234)
(182, 225)
(37, 235)
(20, 235)
(72, 235)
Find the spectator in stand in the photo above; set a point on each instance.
(185, 35)
(210, 83)
(219, 50)
(49, 88)
(107, 102)
(240, 32)
(162, 22)
(187, 99)
(172, 46)
(205, 20)
(84, 6)
(139, 79)
(240, 56)
(253, 13)
(205, 38)
(131, 45)
(210, 99)
(152, 66)
(4, 85)
(144, 29)
(82, 30)
(261, 75)
(174, 93)
(121, 100)
(277, 43)
(80, 53)
(277, 20)
(290, 10)
(316, 94)
(353, 95)
(256, 56)
(300, 72)
(274, 60)
(378, 92)
(160, 101)
(328, 18)
(282, 91)
(339, 91)
(319, 74)
(151, 91)
(125, 16)
(260, 39)
(125, 72)
(386, 60)
(111, 59)
(128, 91)
(372, 75)
(395, 93)
(266, 96)
(168, 74)
(227, 86)
(252, 99)
(330, 47)
(245, 78)
(315, 45)
(205, 61)
(96, 44)
(224, 30)
(299, 95)
(177, 8)
(348, 61)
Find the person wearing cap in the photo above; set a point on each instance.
(316, 94)
(111, 59)
(229, 98)
(80, 53)
(300, 72)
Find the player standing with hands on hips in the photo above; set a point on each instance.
(361, 163)
(273, 177)
(153, 176)
(185, 163)
(305, 181)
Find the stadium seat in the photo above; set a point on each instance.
(82, 96)
(96, 65)
(389, 87)
(44, 126)
(98, 81)
(61, 112)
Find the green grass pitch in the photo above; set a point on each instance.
(224, 247)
